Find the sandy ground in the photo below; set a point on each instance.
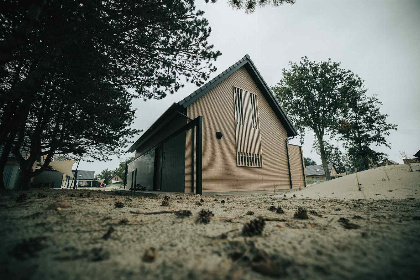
(387, 182)
(86, 234)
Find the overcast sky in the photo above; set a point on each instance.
(378, 40)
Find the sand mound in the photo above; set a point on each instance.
(388, 182)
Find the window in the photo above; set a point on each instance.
(254, 110)
(239, 109)
(248, 137)
(247, 159)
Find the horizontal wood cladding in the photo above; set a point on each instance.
(295, 158)
(220, 170)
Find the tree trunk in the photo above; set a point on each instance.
(323, 156)
(24, 180)
(7, 148)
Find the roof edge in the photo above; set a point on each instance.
(150, 131)
(256, 75)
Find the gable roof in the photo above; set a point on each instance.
(256, 76)
(158, 124)
(316, 170)
(180, 106)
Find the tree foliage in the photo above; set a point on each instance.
(309, 161)
(105, 175)
(333, 103)
(335, 156)
(250, 5)
(314, 95)
(364, 126)
(120, 170)
(66, 68)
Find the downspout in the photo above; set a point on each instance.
(303, 166)
(288, 162)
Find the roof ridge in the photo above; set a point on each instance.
(201, 91)
(194, 93)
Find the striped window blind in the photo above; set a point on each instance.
(248, 136)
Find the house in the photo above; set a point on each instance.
(55, 176)
(11, 173)
(317, 173)
(49, 178)
(228, 135)
(116, 180)
(416, 159)
(84, 179)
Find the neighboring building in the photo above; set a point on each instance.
(49, 179)
(416, 159)
(317, 173)
(11, 173)
(55, 176)
(244, 140)
(388, 162)
(116, 180)
(84, 178)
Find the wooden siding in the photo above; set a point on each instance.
(295, 158)
(220, 171)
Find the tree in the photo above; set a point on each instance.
(105, 175)
(92, 121)
(250, 5)
(362, 126)
(120, 170)
(47, 47)
(314, 94)
(309, 161)
(335, 156)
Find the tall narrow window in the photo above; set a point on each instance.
(248, 136)
(239, 110)
(254, 110)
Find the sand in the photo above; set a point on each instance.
(85, 234)
(386, 182)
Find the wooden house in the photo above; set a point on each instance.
(229, 135)
(84, 178)
(316, 172)
(116, 180)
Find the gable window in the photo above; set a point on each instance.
(254, 110)
(239, 110)
(248, 137)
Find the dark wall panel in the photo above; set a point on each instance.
(173, 164)
(176, 122)
(145, 170)
(52, 178)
